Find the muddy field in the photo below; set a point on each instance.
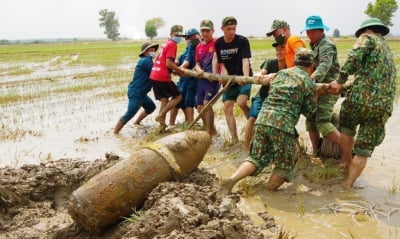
(56, 122)
(34, 198)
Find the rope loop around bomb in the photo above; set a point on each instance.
(166, 154)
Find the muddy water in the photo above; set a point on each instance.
(301, 207)
(80, 126)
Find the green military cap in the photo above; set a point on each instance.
(374, 23)
(206, 24)
(177, 30)
(276, 24)
(229, 21)
(304, 57)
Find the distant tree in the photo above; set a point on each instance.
(109, 21)
(336, 33)
(4, 42)
(382, 9)
(152, 26)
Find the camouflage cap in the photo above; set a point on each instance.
(206, 24)
(177, 30)
(276, 24)
(229, 21)
(304, 57)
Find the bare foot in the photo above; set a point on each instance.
(161, 120)
(226, 186)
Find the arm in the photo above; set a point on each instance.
(326, 57)
(173, 67)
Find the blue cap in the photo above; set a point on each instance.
(191, 31)
(314, 22)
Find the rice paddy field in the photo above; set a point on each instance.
(62, 100)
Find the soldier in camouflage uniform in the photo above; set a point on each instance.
(292, 92)
(369, 102)
(326, 67)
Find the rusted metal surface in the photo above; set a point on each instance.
(113, 193)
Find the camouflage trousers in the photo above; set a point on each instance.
(321, 120)
(274, 146)
(371, 123)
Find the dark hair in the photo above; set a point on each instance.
(303, 63)
(376, 29)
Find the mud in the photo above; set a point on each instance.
(34, 197)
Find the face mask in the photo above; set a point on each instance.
(177, 39)
(152, 54)
(195, 42)
(280, 39)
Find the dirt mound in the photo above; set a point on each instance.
(33, 202)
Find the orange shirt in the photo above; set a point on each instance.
(291, 45)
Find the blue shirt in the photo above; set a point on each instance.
(141, 83)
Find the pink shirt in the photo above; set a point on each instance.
(160, 71)
(204, 55)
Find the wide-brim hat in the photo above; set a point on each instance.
(147, 46)
(376, 23)
(314, 22)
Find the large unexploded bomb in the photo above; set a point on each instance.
(113, 193)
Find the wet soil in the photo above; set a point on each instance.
(34, 198)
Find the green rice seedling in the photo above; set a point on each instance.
(393, 189)
(135, 216)
(281, 234)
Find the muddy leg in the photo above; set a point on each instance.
(356, 167)
(248, 133)
(274, 182)
(347, 144)
(245, 169)
(141, 117)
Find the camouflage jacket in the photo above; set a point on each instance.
(371, 62)
(292, 93)
(325, 61)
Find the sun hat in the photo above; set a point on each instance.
(147, 46)
(206, 24)
(314, 22)
(303, 57)
(177, 30)
(229, 21)
(376, 23)
(276, 24)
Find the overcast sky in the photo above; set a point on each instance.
(27, 19)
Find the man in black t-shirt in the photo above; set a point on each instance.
(232, 57)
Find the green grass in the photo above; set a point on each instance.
(21, 60)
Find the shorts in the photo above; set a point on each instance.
(164, 89)
(188, 88)
(256, 104)
(274, 146)
(206, 90)
(135, 102)
(235, 90)
(372, 126)
(321, 121)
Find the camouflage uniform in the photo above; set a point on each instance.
(327, 70)
(369, 102)
(291, 94)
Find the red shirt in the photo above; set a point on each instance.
(160, 71)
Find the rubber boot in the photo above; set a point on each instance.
(118, 127)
